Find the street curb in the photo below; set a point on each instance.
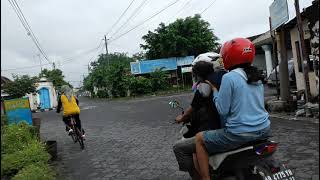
(293, 118)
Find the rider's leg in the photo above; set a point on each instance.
(66, 121)
(78, 122)
(202, 156)
(195, 162)
(183, 150)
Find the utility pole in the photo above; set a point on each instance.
(305, 59)
(106, 44)
(283, 67)
(275, 57)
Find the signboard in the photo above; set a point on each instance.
(148, 66)
(278, 13)
(183, 61)
(18, 110)
(186, 69)
(135, 67)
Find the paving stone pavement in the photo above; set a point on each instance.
(133, 140)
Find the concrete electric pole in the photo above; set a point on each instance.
(305, 59)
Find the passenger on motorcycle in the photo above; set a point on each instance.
(240, 103)
(202, 113)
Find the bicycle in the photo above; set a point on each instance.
(76, 135)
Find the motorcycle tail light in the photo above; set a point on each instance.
(267, 149)
(275, 169)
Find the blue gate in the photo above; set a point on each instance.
(44, 98)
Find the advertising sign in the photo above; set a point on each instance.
(18, 110)
(278, 13)
(183, 61)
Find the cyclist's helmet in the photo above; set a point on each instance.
(237, 51)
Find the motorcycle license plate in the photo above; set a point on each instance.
(285, 174)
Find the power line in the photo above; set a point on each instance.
(26, 67)
(118, 20)
(181, 9)
(131, 16)
(208, 7)
(80, 54)
(26, 25)
(70, 60)
(66, 60)
(166, 7)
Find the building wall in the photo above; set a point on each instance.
(35, 99)
(260, 61)
(299, 75)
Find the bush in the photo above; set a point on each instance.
(140, 85)
(33, 153)
(158, 80)
(15, 137)
(4, 120)
(35, 172)
(102, 94)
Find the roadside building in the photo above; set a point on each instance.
(45, 98)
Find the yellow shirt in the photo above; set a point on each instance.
(69, 108)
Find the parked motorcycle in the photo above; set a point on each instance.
(251, 161)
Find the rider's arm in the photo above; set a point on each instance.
(222, 98)
(187, 114)
(77, 100)
(195, 105)
(59, 105)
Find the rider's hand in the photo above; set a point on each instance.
(179, 119)
(213, 86)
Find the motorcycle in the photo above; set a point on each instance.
(251, 161)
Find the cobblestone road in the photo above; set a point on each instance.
(133, 140)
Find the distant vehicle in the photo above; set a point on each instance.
(271, 80)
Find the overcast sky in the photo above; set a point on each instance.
(69, 28)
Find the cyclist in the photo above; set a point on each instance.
(70, 105)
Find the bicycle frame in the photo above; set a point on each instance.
(77, 134)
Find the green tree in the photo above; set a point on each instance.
(20, 86)
(139, 56)
(109, 72)
(56, 76)
(184, 37)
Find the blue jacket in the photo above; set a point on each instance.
(241, 105)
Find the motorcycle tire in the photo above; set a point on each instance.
(229, 178)
(259, 173)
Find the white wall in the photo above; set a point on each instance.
(299, 75)
(35, 99)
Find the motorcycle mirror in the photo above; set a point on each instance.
(174, 104)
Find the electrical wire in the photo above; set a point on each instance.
(134, 14)
(180, 10)
(166, 7)
(208, 7)
(26, 25)
(64, 61)
(118, 20)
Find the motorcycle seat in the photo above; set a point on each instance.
(252, 143)
(216, 159)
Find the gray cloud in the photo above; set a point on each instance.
(68, 28)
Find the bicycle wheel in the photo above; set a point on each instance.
(73, 135)
(80, 138)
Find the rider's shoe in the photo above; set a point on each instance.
(84, 137)
(70, 131)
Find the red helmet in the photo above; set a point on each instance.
(237, 51)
